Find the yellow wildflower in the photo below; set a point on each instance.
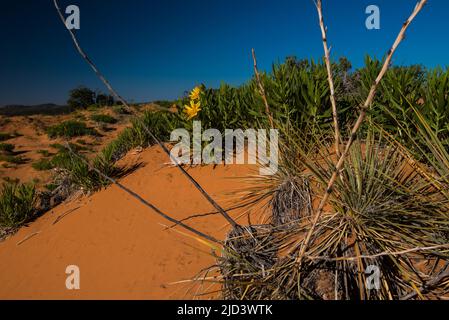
(195, 94)
(192, 110)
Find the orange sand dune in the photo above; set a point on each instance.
(120, 246)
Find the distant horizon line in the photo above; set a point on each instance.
(353, 69)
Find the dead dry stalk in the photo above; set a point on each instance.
(123, 101)
(359, 122)
(428, 286)
(327, 59)
(262, 89)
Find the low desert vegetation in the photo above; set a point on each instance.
(13, 159)
(70, 129)
(43, 165)
(370, 146)
(120, 110)
(103, 118)
(17, 204)
(6, 136)
(44, 153)
(7, 147)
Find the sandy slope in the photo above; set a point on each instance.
(120, 246)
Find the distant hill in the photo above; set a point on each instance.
(45, 109)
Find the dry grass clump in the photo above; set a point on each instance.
(291, 201)
(248, 255)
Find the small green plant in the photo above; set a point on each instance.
(4, 121)
(17, 204)
(6, 147)
(45, 153)
(120, 110)
(103, 118)
(5, 136)
(42, 165)
(70, 129)
(51, 187)
(79, 173)
(13, 159)
(93, 107)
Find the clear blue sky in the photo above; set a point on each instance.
(157, 49)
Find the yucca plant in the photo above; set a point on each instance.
(17, 204)
(380, 205)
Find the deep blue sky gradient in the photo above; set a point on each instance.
(157, 49)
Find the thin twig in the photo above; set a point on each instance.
(164, 148)
(28, 238)
(62, 216)
(359, 122)
(142, 200)
(330, 77)
(262, 90)
(428, 286)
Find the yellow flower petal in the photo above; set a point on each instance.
(195, 93)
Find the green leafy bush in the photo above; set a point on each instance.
(81, 97)
(43, 165)
(70, 129)
(17, 204)
(6, 147)
(103, 118)
(45, 153)
(120, 110)
(5, 136)
(13, 159)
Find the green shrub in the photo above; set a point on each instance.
(5, 136)
(81, 97)
(103, 118)
(93, 107)
(17, 204)
(42, 165)
(120, 110)
(45, 153)
(13, 159)
(75, 147)
(70, 129)
(6, 147)
(51, 187)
